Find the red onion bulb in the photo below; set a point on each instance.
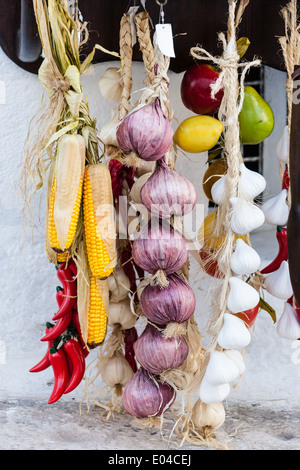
(155, 353)
(147, 132)
(145, 396)
(175, 303)
(168, 193)
(159, 247)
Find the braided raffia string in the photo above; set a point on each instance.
(230, 108)
(146, 47)
(126, 74)
(290, 46)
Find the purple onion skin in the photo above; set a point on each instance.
(147, 132)
(159, 246)
(175, 303)
(155, 353)
(145, 396)
(167, 193)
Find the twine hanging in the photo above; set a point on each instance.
(290, 47)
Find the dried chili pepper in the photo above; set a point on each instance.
(76, 323)
(61, 325)
(282, 254)
(60, 369)
(66, 276)
(45, 362)
(74, 352)
(286, 179)
(130, 336)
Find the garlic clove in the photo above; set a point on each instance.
(246, 216)
(237, 358)
(110, 84)
(137, 186)
(220, 369)
(251, 183)
(283, 146)
(213, 393)
(234, 333)
(208, 414)
(288, 325)
(276, 209)
(278, 283)
(244, 260)
(218, 190)
(107, 133)
(241, 296)
(118, 285)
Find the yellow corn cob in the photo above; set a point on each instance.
(66, 192)
(99, 224)
(97, 318)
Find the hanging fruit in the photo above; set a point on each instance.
(256, 118)
(198, 134)
(196, 89)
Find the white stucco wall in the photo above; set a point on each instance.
(28, 281)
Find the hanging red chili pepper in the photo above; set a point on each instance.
(69, 283)
(282, 254)
(45, 362)
(130, 336)
(77, 332)
(286, 179)
(74, 352)
(60, 369)
(59, 328)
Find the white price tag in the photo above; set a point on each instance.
(164, 39)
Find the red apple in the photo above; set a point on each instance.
(211, 265)
(249, 316)
(196, 91)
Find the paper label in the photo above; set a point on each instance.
(164, 39)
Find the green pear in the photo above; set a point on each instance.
(256, 118)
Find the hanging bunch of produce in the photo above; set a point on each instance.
(165, 361)
(62, 155)
(277, 208)
(116, 359)
(225, 234)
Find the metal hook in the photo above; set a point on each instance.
(163, 3)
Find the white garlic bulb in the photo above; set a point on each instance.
(276, 209)
(107, 133)
(213, 393)
(116, 371)
(237, 358)
(244, 260)
(119, 313)
(288, 325)
(278, 283)
(118, 285)
(251, 183)
(218, 190)
(208, 414)
(145, 167)
(283, 146)
(220, 369)
(246, 216)
(110, 84)
(234, 333)
(241, 296)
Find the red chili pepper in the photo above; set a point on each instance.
(69, 292)
(76, 323)
(60, 369)
(45, 362)
(130, 336)
(286, 179)
(73, 350)
(282, 254)
(61, 325)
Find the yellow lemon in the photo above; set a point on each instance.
(207, 236)
(198, 134)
